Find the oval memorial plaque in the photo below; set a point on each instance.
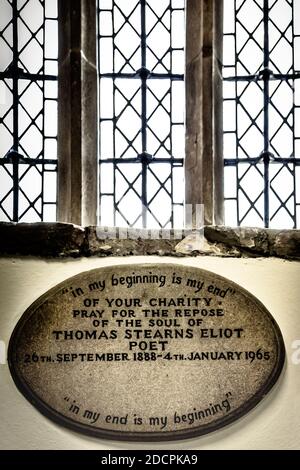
(146, 352)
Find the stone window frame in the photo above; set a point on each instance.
(77, 111)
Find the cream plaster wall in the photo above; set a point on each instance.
(273, 424)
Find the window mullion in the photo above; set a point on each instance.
(204, 163)
(77, 113)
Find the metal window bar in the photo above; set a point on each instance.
(269, 72)
(22, 198)
(137, 150)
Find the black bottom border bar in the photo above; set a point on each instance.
(135, 459)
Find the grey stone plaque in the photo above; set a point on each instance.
(146, 352)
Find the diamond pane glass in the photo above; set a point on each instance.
(261, 107)
(141, 67)
(28, 109)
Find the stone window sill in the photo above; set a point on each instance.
(61, 240)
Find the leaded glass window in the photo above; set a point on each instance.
(141, 105)
(28, 110)
(261, 69)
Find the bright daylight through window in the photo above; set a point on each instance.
(141, 64)
(141, 112)
(262, 112)
(28, 110)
